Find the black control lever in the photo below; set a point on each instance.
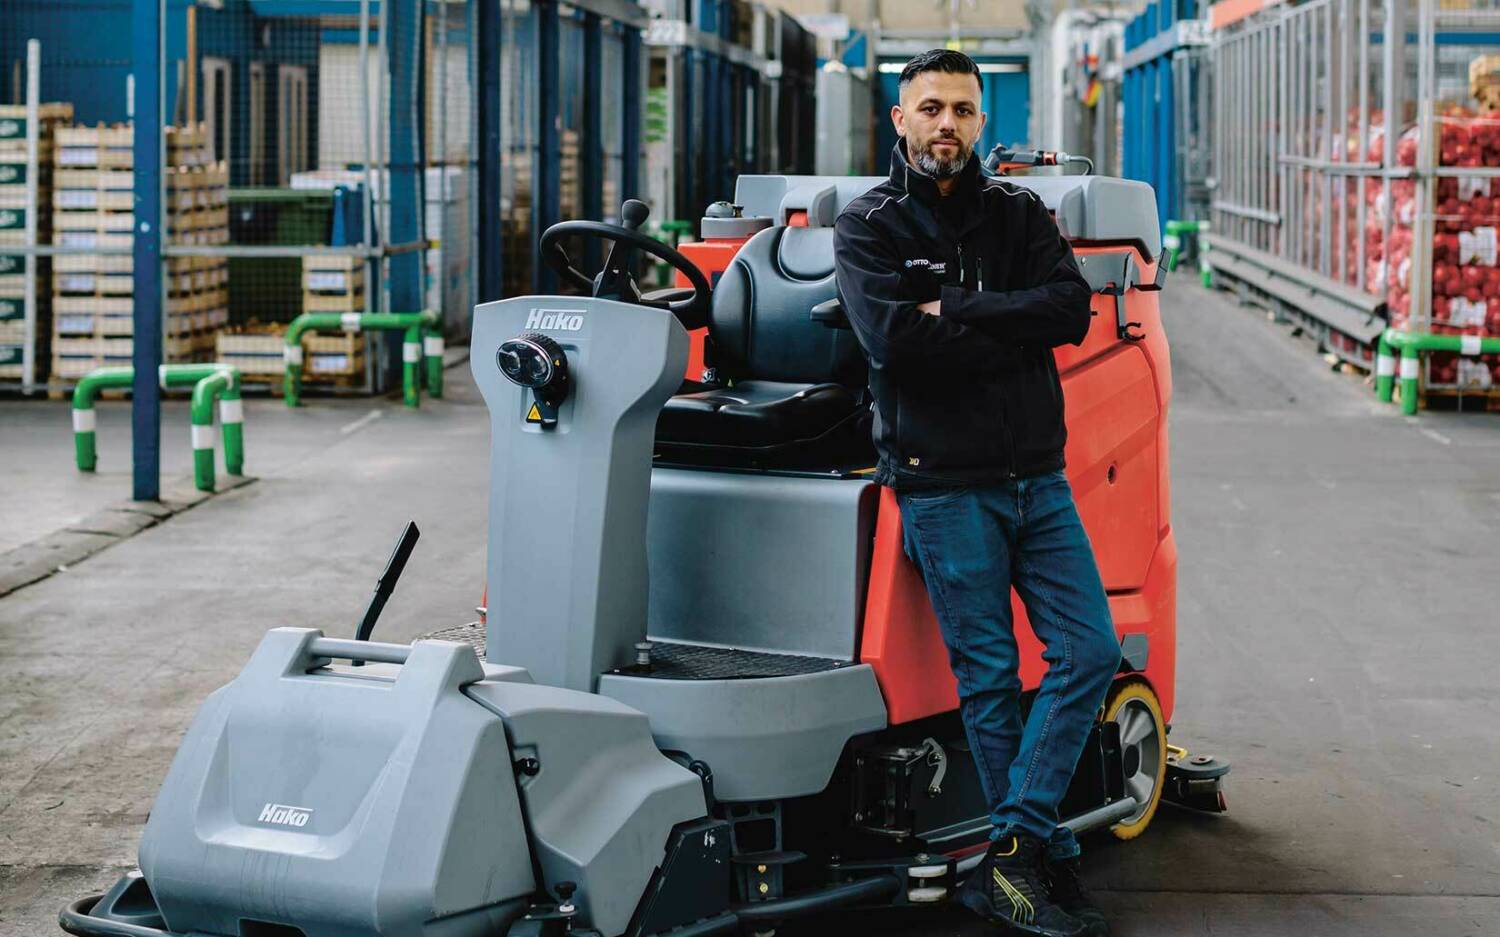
(616, 278)
(386, 584)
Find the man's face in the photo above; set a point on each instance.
(940, 118)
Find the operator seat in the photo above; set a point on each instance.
(791, 389)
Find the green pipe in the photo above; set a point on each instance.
(1205, 271)
(232, 415)
(1172, 240)
(88, 387)
(432, 351)
(413, 324)
(411, 364)
(1385, 367)
(203, 396)
(1411, 346)
(170, 375)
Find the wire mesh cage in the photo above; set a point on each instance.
(288, 186)
(1358, 143)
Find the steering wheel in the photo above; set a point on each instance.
(614, 280)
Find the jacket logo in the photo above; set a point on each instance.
(939, 268)
(283, 815)
(558, 320)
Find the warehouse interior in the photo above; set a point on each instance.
(239, 353)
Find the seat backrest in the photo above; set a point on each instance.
(761, 319)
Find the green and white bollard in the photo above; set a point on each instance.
(413, 325)
(411, 365)
(85, 450)
(223, 386)
(433, 348)
(1411, 346)
(1411, 369)
(1385, 368)
(209, 381)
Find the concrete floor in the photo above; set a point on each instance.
(1337, 638)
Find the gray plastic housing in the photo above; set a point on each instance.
(1088, 208)
(719, 563)
(603, 800)
(341, 803)
(733, 227)
(764, 738)
(567, 571)
(1100, 208)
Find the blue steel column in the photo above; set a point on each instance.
(546, 179)
(404, 51)
(147, 56)
(485, 24)
(630, 117)
(591, 144)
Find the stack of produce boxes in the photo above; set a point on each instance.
(18, 173)
(93, 197)
(1465, 273)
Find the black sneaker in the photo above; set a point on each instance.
(1010, 889)
(1067, 892)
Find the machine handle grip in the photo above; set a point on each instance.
(359, 650)
(830, 313)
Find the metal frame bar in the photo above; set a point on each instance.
(33, 172)
(1305, 85)
(485, 18)
(632, 82)
(591, 149)
(546, 177)
(148, 64)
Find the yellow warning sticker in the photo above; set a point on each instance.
(534, 415)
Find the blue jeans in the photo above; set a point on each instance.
(972, 545)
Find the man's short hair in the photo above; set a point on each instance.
(941, 60)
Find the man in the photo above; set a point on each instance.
(958, 287)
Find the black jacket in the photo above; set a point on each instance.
(970, 396)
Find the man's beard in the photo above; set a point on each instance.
(939, 168)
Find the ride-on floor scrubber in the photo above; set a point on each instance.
(711, 695)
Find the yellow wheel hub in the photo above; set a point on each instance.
(1133, 705)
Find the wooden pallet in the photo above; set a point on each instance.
(186, 291)
(92, 239)
(1482, 399)
(100, 147)
(94, 222)
(113, 147)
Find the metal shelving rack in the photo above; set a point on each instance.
(1311, 106)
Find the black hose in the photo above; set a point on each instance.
(75, 919)
(825, 899)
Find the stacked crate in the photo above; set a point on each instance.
(93, 198)
(1465, 278)
(334, 284)
(16, 174)
(330, 283)
(515, 225)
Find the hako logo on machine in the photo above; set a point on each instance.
(284, 815)
(556, 320)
